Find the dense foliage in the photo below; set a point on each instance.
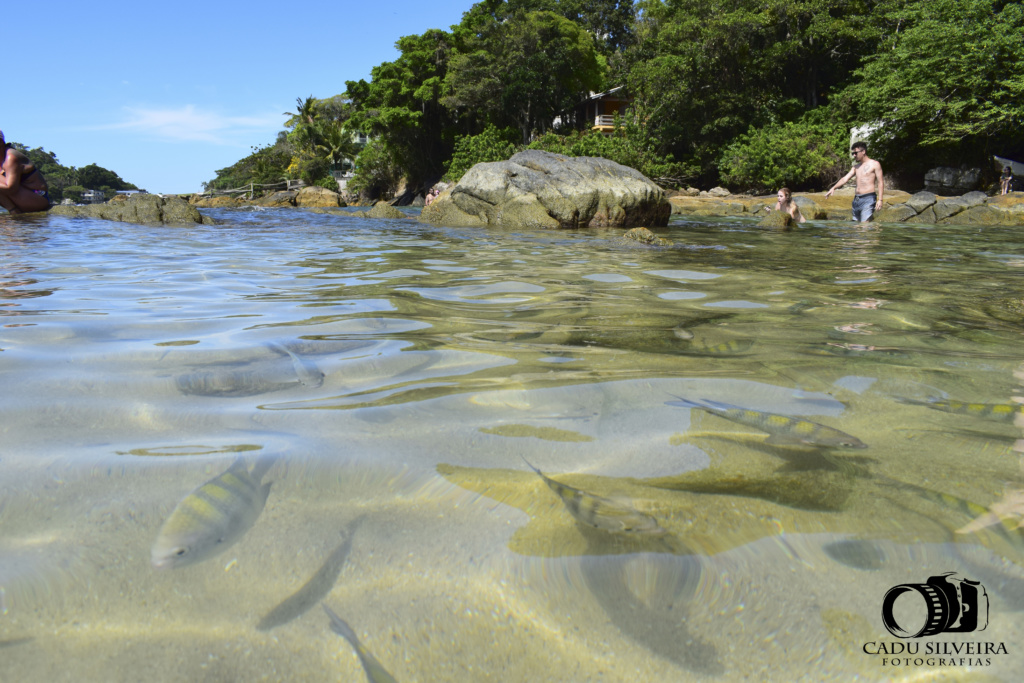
(490, 145)
(750, 93)
(265, 165)
(70, 182)
(802, 155)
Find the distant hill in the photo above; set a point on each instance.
(70, 182)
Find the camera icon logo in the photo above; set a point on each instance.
(944, 604)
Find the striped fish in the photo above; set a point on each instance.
(601, 513)
(999, 412)
(213, 517)
(375, 671)
(733, 347)
(783, 429)
(982, 517)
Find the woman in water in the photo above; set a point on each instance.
(787, 204)
(22, 186)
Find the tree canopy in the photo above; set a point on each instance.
(753, 93)
(60, 177)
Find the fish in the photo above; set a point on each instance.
(314, 590)
(783, 429)
(732, 347)
(999, 412)
(213, 517)
(375, 671)
(601, 513)
(1004, 517)
(306, 370)
(14, 642)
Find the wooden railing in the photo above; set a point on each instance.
(251, 188)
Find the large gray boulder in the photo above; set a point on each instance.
(543, 189)
(149, 209)
(945, 180)
(921, 201)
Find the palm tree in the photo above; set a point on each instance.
(305, 112)
(333, 142)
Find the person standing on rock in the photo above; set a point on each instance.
(870, 185)
(22, 186)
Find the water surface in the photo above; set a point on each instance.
(400, 373)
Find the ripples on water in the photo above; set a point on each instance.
(398, 371)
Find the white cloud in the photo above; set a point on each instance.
(189, 124)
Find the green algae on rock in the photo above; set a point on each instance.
(140, 208)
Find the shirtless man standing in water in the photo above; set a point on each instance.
(869, 173)
(22, 186)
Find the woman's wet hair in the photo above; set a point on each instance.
(786, 193)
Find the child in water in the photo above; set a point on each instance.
(787, 204)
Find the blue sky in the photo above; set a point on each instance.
(166, 94)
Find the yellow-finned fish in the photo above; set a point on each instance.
(375, 671)
(1000, 412)
(783, 429)
(601, 513)
(213, 517)
(733, 347)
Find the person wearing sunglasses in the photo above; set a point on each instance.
(870, 185)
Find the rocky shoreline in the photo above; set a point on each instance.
(973, 208)
(922, 208)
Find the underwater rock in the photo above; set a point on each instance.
(645, 236)
(384, 210)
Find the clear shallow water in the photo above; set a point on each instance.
(399, 374)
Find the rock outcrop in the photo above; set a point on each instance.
(318, 196)
(149, 209)
(945, 180)
(973, 208)
(542, 189)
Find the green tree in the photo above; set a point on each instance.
(401, 108)
(490, 145)
(266, 164)
(949, 85)
(702, 72)
(95, 177)
(377, 174)
(72, 192)
(524, 72)
(810, 153)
